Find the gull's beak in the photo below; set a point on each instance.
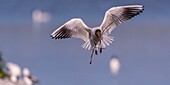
(33, 79)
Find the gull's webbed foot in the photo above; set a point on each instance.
(90, 60)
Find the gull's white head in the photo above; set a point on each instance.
(114, 65)
(28, 78)
(14, 71)
(26, 72)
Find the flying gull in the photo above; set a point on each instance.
(97, 38)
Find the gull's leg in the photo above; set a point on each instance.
(100, 50)
(92, 55)
(100, 46)
(90, 60)
(96, 52)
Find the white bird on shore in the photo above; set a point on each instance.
(97, 37)
(28, 78)
(14, 72)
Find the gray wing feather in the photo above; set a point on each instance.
(117, 15)
(74, 28)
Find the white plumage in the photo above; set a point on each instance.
(97, 37)
(28, 78)
(14, 71)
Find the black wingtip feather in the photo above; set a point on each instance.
(62, 33)
(52, 36)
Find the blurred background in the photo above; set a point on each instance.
(141, 44)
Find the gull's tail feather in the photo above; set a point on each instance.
(87, 45)
(106, 41)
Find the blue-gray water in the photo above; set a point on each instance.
(142, 43)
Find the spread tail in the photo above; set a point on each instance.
(87, 45)
(106, 41)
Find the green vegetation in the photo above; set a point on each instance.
(2, 73)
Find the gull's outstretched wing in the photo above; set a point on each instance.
(116, 15)
(74, 28)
